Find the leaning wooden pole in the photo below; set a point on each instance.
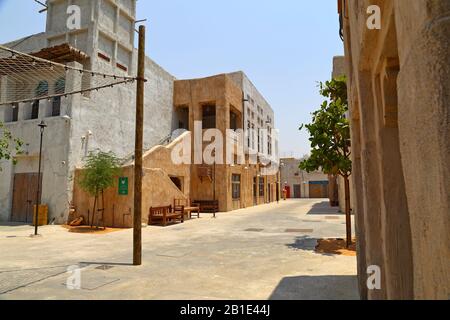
(138, 169)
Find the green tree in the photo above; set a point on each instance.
(99, 173)
(330, 139)
(9, 146)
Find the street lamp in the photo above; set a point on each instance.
(42, 127)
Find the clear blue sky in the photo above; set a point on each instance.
(284, 46)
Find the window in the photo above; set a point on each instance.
(41, 91)
(209, 117)
(236, 186)
(259, 140)
(233, 121)
(255, 182)
(60, 88)
(15, 112)
(35, 110)
(249, 127)
(261, 186)
(253, 136)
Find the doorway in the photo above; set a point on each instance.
(24, 196)
(297, 191)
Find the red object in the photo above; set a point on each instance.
(288, 192)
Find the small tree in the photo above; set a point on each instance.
(99, 174)
(7, 144)
(330, 139)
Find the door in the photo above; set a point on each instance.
(24, 196)
(288, 192)
(318, 189)
(297, 191)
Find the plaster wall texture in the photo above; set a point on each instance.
(158, 188)
(399, 96)
(97, 120)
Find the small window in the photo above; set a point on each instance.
(15, 112)
(233, 121)
(209, 117)
(261, 187)
(35, 110)
(236, 186)
(41, 91)
(60, 88)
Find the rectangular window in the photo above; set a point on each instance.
(209, 116)
(236, 186)
(56, 107)
(255, 185)
(233, 121)
(35, 110)
(15, 112)
(261, 187)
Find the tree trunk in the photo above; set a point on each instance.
(93, 211)
(348, 216)
(333, 190)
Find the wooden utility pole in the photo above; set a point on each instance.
(138, 169)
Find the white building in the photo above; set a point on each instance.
(96, 120)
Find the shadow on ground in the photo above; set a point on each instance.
(317, 288)
(303, 243)
(324, 208)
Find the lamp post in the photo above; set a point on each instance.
(42, 127)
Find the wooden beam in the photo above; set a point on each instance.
(138, 164)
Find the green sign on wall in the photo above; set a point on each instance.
(123, 186)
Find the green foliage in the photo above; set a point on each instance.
(99, 172)
(7, 143)
(330, 132)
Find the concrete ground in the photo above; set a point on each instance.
(265, 252)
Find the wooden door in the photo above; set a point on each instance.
(297, 191)
(318, 190)
(24, 196)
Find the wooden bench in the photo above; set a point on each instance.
(207, 206)
(189, 208)
(165, 214)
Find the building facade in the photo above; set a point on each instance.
(103, 120)
(398, 79)
(217, 103)
(300, 184)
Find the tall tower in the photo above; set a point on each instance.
(105, 33)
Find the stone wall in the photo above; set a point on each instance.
(157, 188)
(399, 108)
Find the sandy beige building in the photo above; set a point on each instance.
(218, 103)
(301, 184)
(399, 92)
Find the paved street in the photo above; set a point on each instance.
(265, 252)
